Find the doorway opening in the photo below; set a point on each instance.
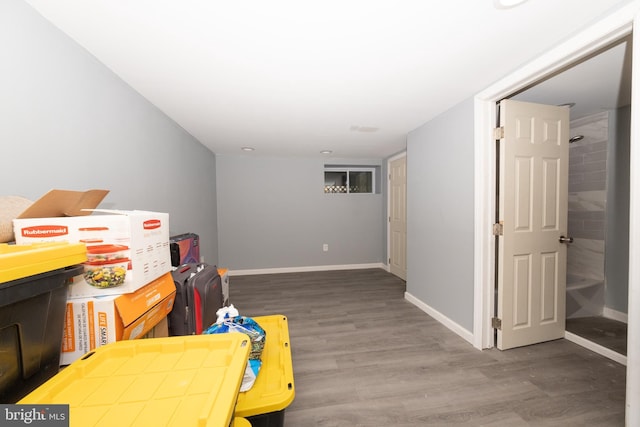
(598, 206)
(594, 38)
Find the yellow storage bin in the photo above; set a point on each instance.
(175, 381)
(241, 422)
(18, 261)
(273, 391)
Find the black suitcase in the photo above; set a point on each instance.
(198, 297)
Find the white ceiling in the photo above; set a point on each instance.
(292, 77)
(598, 83)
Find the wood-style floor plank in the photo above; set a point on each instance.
(364, 356)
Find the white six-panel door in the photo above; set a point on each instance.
(533, 191)
(398, 217)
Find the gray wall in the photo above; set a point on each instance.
(273, 213)
(440, 213)
(617, 220)
(66, 121)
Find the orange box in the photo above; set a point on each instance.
(95, 321)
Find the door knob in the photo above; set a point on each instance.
(564, 239)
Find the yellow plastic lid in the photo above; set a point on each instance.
(175, 381)
(274, 389)
(18, 261)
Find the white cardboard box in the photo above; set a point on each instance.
(145, 233)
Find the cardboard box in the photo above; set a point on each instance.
(161, 330)
(144, 236)
(64, 203)
(93, 322)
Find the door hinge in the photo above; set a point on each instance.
(498, 133)
(496, 323)
(498, 229)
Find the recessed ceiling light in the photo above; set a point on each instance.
(326, 152)
(507, 4)
(248, 148)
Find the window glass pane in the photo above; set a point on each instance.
(335, 182)
(360, 182)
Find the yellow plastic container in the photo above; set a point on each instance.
(241, 422)
(18, 261)
(176, 381)
(273, 391)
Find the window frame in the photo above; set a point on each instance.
(347, 170)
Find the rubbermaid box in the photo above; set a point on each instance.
(33, 293)
(265, 403)
(180, 381)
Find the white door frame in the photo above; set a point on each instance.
(597, 36)
(389, 160)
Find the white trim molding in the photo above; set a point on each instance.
(612, 314)
(307, 269)
(596, 348)
(453, 326)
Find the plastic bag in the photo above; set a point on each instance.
(229, 321)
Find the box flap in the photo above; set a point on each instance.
(133, 305)
(58, 203)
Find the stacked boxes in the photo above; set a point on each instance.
(126, 286)
(95, 321)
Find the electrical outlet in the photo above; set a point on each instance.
(325, 247)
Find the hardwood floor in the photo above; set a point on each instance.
(363, 356)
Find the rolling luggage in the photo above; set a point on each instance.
(198, 297)
(185, 249)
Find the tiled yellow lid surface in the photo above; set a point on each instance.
(274, 388)
(18, 261)
(176, 381)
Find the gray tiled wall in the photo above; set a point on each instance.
(587, 178)
(587, 205)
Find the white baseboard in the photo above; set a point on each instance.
(596, 348)
(610, 313)
(459, 330)
(306, 269)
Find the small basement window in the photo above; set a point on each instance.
(349, 180)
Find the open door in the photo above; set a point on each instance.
(532, 231)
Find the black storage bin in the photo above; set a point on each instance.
(32, 311)
(271, 419)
